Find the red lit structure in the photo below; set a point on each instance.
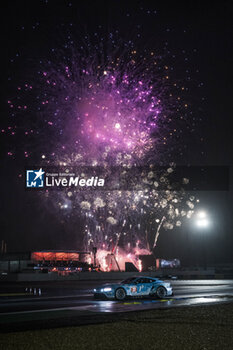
(46, 261)
(55, 256)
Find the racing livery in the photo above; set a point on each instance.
(135, 287)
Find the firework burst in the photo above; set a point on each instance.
(118, 112)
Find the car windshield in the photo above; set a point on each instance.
(128, 280)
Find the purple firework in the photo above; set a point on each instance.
(119, 111)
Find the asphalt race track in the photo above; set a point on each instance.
(61, 301)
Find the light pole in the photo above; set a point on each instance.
(94, 252)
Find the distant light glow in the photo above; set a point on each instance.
(202, 223)
(201, 214)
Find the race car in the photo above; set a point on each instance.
(134, 287)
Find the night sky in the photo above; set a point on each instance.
(198, 33)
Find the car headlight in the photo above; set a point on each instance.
(94, 290)
(107, 289)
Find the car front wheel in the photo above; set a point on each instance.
(161, 292)
(120, 294)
